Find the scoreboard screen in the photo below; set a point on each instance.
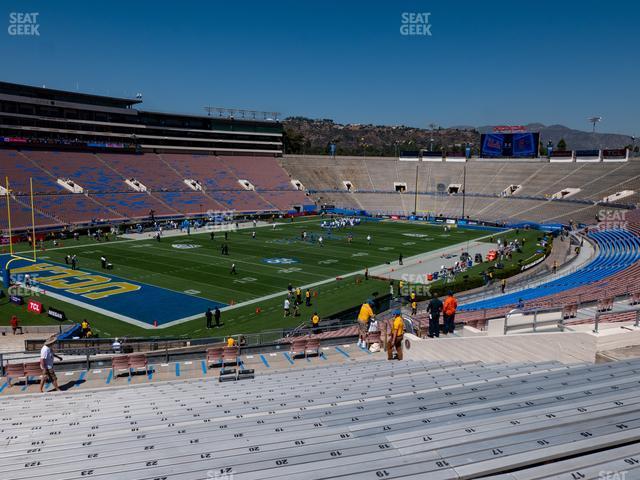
(509, 144)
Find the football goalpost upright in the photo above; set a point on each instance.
(6, 272)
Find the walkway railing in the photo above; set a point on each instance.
(538, 318)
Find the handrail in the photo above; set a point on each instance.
(561, 322)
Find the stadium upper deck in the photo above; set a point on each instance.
(34, 115)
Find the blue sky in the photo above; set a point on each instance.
(485, 62)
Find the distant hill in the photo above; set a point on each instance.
(305, 135)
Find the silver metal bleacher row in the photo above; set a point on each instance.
(362, 420)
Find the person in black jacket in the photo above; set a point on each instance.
(209, 316)
(434, 308)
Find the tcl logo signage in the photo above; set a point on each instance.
(35, 307)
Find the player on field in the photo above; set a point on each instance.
(298, 295)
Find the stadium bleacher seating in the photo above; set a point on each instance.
(110, 198)
(107, 197)
(618, 250)
(615, 272)
(360, 420)
(373, 180)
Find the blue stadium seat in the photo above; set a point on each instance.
(617, 250)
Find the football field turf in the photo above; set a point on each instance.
(174, 280)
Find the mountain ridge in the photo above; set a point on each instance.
(313, 136)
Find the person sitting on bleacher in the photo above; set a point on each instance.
(397, 334)
(231, 342)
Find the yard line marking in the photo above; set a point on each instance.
(342, 352)
(264, 360)
(288, 357)
(177, 369)
(323, 356)
(6, 384)
(254, 300)
(203, 364)
(150, 372)
(109, 377)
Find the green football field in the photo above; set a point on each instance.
(265, 266)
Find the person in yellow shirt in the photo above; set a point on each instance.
(397, 334)
(84, 325)
(315, 322)
(298, 296)
(414, 307)
(365, 315)
(231, 342)
(307, 296)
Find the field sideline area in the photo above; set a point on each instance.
(192, 268)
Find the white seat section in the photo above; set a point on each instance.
(373, 419)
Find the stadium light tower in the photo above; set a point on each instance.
(593, 120)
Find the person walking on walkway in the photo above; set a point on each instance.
(397, 334)
(433, 309)
(46, 364)
(449, 312)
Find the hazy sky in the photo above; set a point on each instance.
(484, 62)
